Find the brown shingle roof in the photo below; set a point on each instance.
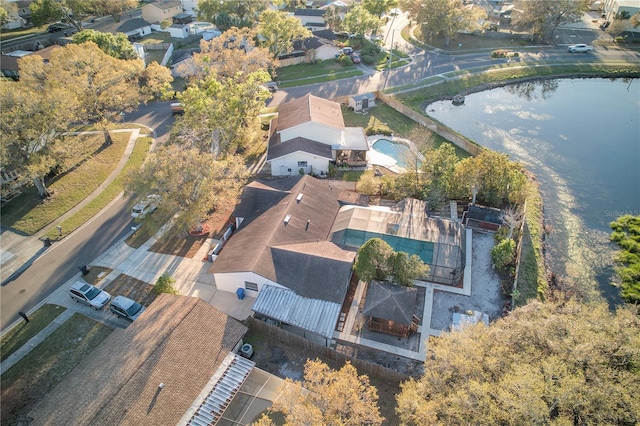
(179, 341)
(310, 108)
(264, 205)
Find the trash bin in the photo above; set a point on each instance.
(240, 293)
(47, 242)
(83, 269)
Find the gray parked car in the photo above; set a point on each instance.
(89, 295)
(126, 308)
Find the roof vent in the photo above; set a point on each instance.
(299, 197)
(287, 218)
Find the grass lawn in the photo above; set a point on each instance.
(488, 40)
(6, 35)
(140, 150)
(28, 213)
(21, 334)
(31, 378)
(324, 68)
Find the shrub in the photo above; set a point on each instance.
(333, 170)
(368, 59)
(503, 253)
(344, 60)
(165, 285)
(376, 127)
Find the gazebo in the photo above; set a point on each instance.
(390, 308)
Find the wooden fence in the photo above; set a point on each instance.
(368, 368)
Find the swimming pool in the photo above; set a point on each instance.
(398, 151)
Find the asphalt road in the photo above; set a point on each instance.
(59, 263)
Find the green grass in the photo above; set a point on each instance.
(21, 334)
(349, 175)
(28, 214)
(35, 375)
(6, 35)
(136, 159)
(322, 79)
(532, 282)
(296, 72)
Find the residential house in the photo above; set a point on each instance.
(308, 133)
(19, 14)
(175, 364)
(159, 11)
(313, 19)
(280, 254)
(9, 61)
(611, 8)
(134, 28)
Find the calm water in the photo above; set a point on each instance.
(581, 137)
(394, 150)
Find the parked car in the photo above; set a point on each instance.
(271, 86)
(89, 295)
(355, 58)
(346, 50)
(177, 108)
(126, 308)
(57, 27)
(580, 48)
(146, 206)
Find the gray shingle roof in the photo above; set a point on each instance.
(279, 149)
(390, 302)
(310, 12)
(179, 341)
(299, 255)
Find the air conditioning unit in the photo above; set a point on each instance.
(246, 350)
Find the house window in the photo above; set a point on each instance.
(250, 286)
(302, 164)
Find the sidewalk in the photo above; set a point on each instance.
(18, 252)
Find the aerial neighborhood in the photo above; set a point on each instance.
(367, 212)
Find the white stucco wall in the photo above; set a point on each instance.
(280, 166)
(232, 281)
(315, 132)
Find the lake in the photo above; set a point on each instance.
(581, 137)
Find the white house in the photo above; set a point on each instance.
(309, 133)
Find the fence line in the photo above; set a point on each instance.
(366, 367)
(518, 255)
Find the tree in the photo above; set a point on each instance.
(498, 180)
(329, 397)
(379, 7)
(113, 8)
(241, 13)
(442, 17)
(542, 17)
(332, 18)
(635, 20)
(439, 167)
(626, 234)
(511, 217)
(232, 54)
(220, 114)
(376, 260)
(372, 261)
(6, 8)
(368, 183)
(280, 31)
(71, 11)
(164, 284)
(192, 183)
(115, 45)
(407, 268)
(359, 21)
(560, 362)
(80, 83)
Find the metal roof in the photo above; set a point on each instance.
(284, 305)
(230, 376)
